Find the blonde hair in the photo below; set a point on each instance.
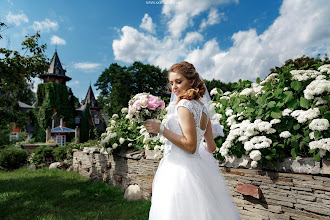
(197, 88)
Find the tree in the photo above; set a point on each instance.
(118, 84)
(215, 83)
(16, 70)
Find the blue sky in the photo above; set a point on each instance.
(224, 39)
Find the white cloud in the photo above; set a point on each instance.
(181, 15)
(45, 26)
(147, 24)
(57, 40)
(86, 66)
(73, 83)
(16, 19)
(302, 28)
(213, 18)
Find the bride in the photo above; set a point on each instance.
(187, 185)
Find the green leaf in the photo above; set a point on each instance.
(280, 103)
(326, 115)
(278, 93)
(294, 153)
(294, 104)
(288, 96)
(317, 157)
(305, 103)
(294, 143)
(271, 104)
(268, 157)
(317, 134)
(250, 109)
(258, 80)
(296, 126)
(276, 113)
(296, 85)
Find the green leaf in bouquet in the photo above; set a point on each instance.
(296, 85)
(294, 104)
(322, 109)
(288, 96)
(258, 80)
(305, 103)
(240, 109)
(250, 109)
(260, 111)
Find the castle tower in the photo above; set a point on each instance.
(55, 73)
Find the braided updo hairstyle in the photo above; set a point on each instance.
(197, 88)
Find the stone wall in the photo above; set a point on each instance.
(259, 194)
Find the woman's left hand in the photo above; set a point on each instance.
(152, 127)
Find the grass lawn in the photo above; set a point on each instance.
(57, 194)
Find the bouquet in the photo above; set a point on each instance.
(144, 106)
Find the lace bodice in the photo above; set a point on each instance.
(196, 108)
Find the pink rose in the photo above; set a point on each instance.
(153, 102)
(137, 105)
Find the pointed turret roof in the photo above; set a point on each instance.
(56, 64)
(89, 99)
(55, 71)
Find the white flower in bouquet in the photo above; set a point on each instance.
(247, 92)
(317, 87)
(319, 124)
(130, 145)
(112, 122)
(321, 77)
(226, 93)
(115, 116)
(257, 142)
(255, 155)
(121, 140)
(219, 105)
(231, 120)
(285, 89)
(114, 146)
(254, 164)
(285, 134)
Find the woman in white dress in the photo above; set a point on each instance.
(187, 186)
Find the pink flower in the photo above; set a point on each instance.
(137, 105)
(154, 102)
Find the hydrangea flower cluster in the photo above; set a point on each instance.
(303, 75)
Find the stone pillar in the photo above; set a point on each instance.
(77, 134)
(48, 134)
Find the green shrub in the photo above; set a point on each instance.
(42, 155)
(12, 157)
(61, 153)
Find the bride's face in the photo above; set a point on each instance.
(178, 82)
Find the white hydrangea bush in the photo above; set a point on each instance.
(285, 115)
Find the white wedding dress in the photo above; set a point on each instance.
(189, 186)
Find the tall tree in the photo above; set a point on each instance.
(118, 84)
(16, 70)
(215, 83)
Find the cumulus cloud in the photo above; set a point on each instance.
(147, 24)
(16, 19)
(57, 40)
(302, 28)
(181, 15)
(213, 18)
(86, 66)
(45, 26)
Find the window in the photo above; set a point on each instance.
(77, 120)
(60, 139)
(14, 136)
(97, 120)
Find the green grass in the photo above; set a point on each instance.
(57, 194)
